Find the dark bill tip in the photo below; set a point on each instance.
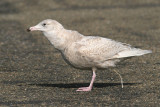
(28, 30)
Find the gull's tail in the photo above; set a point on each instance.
(132, 52)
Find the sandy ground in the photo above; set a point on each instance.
(33, 73)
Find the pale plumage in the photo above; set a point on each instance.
(86, 51)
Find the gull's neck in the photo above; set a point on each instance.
(62, 38)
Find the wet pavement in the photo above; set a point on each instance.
(33, 73)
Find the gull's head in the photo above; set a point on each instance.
(46, 26)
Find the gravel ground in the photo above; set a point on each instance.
(33, 73)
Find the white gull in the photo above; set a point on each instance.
(91, 52)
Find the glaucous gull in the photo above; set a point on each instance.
(91, 52)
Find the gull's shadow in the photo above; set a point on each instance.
(77, 85)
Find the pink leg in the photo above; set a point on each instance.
(89, 88)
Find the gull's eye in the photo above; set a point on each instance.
(44, 24)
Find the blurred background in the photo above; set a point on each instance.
(33, 73)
